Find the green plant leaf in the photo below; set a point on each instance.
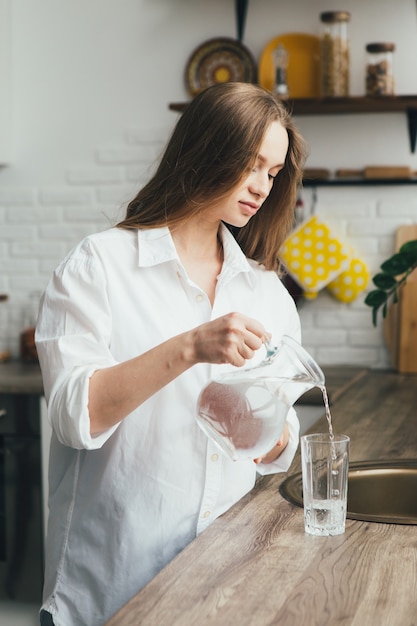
(402, 264)
(397, 264)
(410, 249)
(384, 281)
(376, 298)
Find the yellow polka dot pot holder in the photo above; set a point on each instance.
(316, 258)
(350, 283)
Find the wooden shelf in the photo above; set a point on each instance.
(357, 104)
(326, 106)
(350, 182)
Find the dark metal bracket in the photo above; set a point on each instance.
(241, 7)
(412, 127)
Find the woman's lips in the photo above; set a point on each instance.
(249, 208)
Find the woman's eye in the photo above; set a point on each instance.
(271, 177)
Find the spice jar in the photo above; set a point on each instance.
(334, 53)
(379, 79)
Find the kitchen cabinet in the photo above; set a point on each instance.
(21, 531)
(21, 483)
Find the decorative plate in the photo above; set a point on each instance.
(219, 60)
(303, 72)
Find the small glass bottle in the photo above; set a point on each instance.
(334, 54)
(281, 65)
(379, 79)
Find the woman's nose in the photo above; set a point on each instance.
(260, 184)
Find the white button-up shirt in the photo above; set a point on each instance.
(125, 502)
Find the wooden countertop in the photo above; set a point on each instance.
(255, 566)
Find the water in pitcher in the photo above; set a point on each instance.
(244, 417)
(244, 412)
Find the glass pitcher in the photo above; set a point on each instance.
(243, 412)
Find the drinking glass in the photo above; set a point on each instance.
(325, 465)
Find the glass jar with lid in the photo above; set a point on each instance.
(379, 79)
(334, 54)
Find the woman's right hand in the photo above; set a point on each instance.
(232, 338)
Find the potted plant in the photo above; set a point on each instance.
(393, 275)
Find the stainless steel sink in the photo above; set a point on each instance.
(378, 491)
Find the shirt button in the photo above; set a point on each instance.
(206, 514)
(199, 298)
(214, 457)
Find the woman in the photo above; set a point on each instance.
(134, 323)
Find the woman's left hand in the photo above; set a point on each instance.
(277, 450)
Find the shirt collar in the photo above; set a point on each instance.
(155, 246)
(234, 259)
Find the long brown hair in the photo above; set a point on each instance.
(212, 147)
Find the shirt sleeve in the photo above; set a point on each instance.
(72, 339)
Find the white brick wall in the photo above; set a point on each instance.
(40, 225)
(90, 119)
